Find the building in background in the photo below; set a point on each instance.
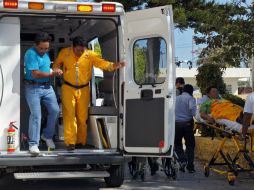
(236, 79)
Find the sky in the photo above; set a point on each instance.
(184, 45)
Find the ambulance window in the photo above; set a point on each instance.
(150, 61)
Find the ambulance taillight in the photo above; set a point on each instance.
(109, 8)
(10, 4)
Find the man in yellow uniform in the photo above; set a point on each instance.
(77, 63)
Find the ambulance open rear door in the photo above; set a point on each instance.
(148, 90)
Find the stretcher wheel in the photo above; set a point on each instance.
(132, 168)
(206, 171)
(171, 168)
(231, 179)
(142, 175)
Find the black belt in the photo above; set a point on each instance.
(31, 82)
(74, 86)
(184, 122)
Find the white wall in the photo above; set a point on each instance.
(230, 76)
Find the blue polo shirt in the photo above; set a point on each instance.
(34, 61)
(185, 108)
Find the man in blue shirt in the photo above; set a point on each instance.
(185, 110)
(38, 90)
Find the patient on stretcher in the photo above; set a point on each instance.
(221, 111)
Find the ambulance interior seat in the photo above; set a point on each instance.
(105, 91)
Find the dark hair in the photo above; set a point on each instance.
(180, 80)
(78, 41)
(42, 37)
(208, 90)
(188, 88)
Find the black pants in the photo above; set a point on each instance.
(185, 130)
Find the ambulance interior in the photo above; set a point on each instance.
(97, 32)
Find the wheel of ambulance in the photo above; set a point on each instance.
(116, 177)
(206, 170)
(231, 179)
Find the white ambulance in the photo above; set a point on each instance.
(131, 111)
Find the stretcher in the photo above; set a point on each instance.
(230, 130)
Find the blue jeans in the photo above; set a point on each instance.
(35, 95)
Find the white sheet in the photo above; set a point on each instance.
(230, 125)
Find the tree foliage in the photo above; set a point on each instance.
(210, 75)
(139, 67)
(97, 48)
(227, 30)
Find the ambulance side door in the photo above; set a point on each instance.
(9, 76)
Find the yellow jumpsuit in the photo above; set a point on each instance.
(75, 102)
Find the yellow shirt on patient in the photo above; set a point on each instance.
(221, 109)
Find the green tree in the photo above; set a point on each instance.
(140, 63)
(97, 48)
(210, 75)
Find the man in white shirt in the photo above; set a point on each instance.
(248, 112)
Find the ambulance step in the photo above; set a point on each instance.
(61, 175)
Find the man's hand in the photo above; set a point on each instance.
(210, 120)
(119, 65)
(57, 72)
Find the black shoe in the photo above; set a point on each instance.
(79, 146)
(71, 147)
(182, 166)
(191, 170)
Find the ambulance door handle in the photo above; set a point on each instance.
(122, 93)
(169, 95)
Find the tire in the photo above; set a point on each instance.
(116, 177)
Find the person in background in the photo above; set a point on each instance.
(185, 110)
(179, 85)
(248, 112)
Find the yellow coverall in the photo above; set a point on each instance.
(75, 102)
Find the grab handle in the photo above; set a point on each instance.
(2, 89)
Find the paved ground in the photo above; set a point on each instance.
(185, 181)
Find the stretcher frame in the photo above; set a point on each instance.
(231, 162)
